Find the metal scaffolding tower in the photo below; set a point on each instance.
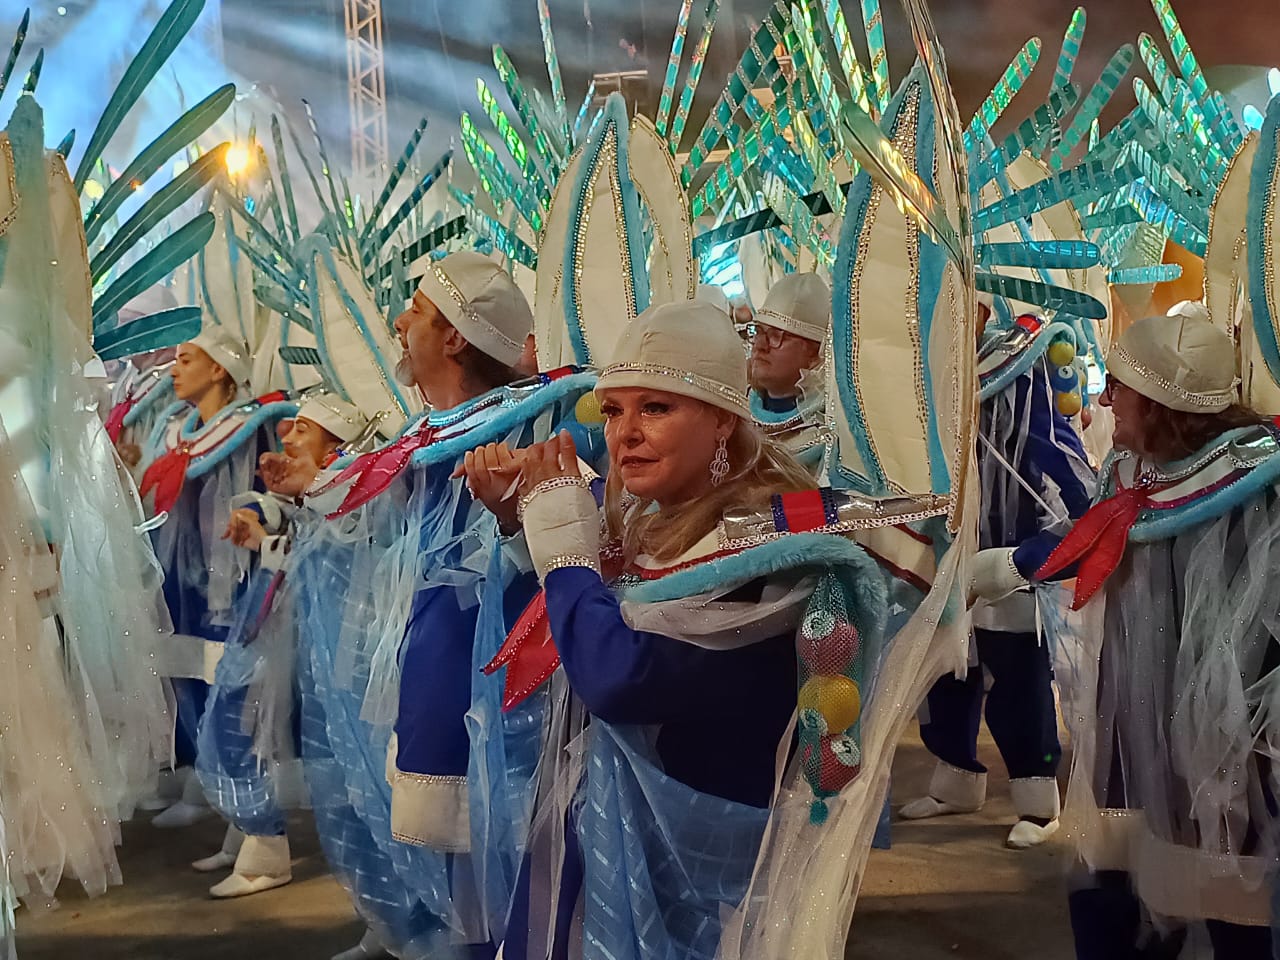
(366, 89)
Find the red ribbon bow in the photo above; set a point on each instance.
(1098, 540)
(529, 654)
(376, 471)
(166, 475)
(115, 420)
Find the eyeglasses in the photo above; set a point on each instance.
(1109, 391)
(773, 336)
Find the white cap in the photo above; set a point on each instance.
(228, 352)
(799, 303)
(482, 301)
(688, 347)
(1182, 363)
(709, 293)
(344, 420)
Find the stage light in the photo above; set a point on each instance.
(238, 159)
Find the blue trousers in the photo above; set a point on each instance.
(1019, 708)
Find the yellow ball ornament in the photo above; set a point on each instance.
(1069, 404)
(836, 698)
(587, 409)
(1062, 353)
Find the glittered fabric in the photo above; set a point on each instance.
(344, 763)
(235, 779)
(661, 858)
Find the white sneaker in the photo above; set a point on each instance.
(1026, 834)
(369, 948)
(927, 807)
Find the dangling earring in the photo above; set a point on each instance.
(720, 463)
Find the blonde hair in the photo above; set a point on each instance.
(758, 469)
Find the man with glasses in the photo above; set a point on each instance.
(787, 392)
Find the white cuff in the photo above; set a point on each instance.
(431, 811)
(1036, 797)
(273, 552)
(994, 576)
(562, 526)
(964, 788)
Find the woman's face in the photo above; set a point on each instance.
(662, 444)
(194, 373)
(1128, 409)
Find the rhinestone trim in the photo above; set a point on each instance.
(464, 305)
(571, 560)
(553, 483)
(1206, 399)
(656, 369)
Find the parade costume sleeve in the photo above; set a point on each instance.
(626, 676)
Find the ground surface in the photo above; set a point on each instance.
(948, 889)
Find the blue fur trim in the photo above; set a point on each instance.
(317, 247)
(156, 440)
(263, 415)
(505, 420)
(1262, 198)
(162, 389)
(797, 550)
(1025, 361)
(1156, 525)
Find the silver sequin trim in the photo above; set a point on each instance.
(657, 369)
(1212, 399)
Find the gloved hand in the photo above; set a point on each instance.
(993, 575)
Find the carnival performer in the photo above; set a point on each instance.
(1172, 792)
(202, 453)
(1035, 478)
(788, 398)
(247, 757)
(709, 649)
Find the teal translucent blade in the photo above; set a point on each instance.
(695, 75)
(175, 250)
(1007, 87)
(848, 57)
(1072, 40)
(180, 134)
(394, 222)
(157, 207)
(511, 246)
(520, 100)
(873, 23)
(667, 100)
(804, 228)
(553, 68)
(1041, 255)
(511, 139)
(301, 356)
(1032, 134)
(1141, 276)
(156, 332)
(19, 38)
(172, 27)
(1082, 184)
(1046, 295)
(393, 179)
(1099, 96)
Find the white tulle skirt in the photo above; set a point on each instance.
(1175, 778)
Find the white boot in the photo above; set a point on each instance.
(191, 808)
(225, 857)
(263, 864)
(369, 948)
(167, 792)
(951, 790)
(1033, 797)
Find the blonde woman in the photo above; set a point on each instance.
(677, 637)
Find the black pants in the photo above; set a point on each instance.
(1106, 920)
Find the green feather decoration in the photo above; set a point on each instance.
(175, 250)
(165, 201)
(393, 180)
(173, 26)
(19, 39)
(180, 134)
(156, 332)
(286, 185)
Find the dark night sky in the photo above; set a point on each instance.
(435, 48)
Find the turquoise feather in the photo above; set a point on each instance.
(175, 250)
(286, 185)
(397, 219)
(156, 332)
(1099, 96)
(393, 180)
(173, 26)
(180, 134)
(19, 39)
(164, 202)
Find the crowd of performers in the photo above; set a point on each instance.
(585, 624)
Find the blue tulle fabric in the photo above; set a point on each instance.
(235, 780)
(663, 859)
(505, 748)
(344, 763)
